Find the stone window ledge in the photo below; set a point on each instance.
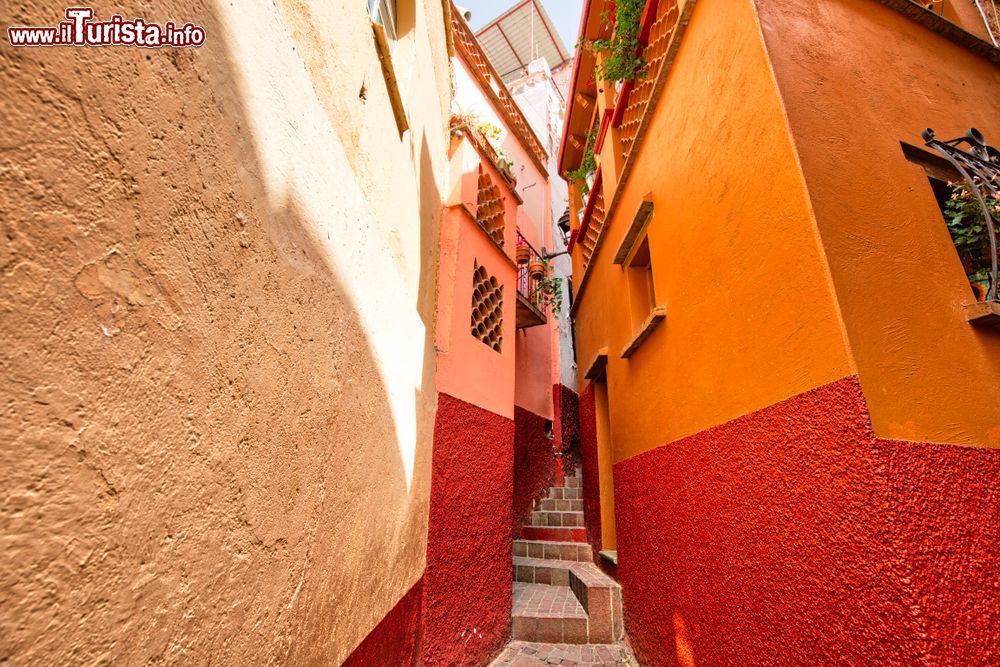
(656, 316)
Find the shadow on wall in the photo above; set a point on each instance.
(202, 456)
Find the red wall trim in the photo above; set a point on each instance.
(395, 640)
(603, 130)
(588, 211)
(645, 25)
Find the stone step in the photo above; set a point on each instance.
(553, 550)
(542, 585)
(601, 597)
(542, 571)
(572, 482)
(565, 493)
(584, 655)
(554, 533)
(550, 614)
(571, 519)
(552, 505)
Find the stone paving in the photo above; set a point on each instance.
(561, 599)
(541, 600)
(530, 654)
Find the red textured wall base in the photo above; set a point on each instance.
(591, 475)
(566, 430)
(395, 640)
(793, 536)
(534, 465)
(467, 584)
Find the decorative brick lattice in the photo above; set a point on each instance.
(489, 207)
(487, 308)
(593, 231)
(660, 34)
(492, 85)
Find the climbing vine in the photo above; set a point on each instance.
(588, 165)
(623, 60)
(550, 292)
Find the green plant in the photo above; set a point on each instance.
(503, 160)
(968, 227)
(587, 166)
(623, 60)
(550, 292)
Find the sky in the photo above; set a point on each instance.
(565, 14)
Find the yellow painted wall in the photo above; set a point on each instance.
(217, 307)
(751, 317)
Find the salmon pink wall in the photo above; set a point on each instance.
(463, 361)
(794, 536)
(532, 183)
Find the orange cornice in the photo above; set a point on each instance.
(590, 14)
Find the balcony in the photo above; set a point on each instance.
(530, 308)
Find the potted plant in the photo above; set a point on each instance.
(536, 269)
(522, 252)
(969, 232)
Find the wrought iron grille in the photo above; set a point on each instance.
(528, 286)
(979, 165)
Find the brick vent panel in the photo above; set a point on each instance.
(487, 308)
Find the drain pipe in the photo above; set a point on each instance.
(989, 30)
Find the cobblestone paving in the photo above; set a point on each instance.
(529, 654)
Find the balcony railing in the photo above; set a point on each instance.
(979, 165)
(530, 308)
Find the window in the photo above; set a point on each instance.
(960, 211)
(646, 315)
(383, 12)
(642, 295)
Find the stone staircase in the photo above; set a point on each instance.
(560, 596)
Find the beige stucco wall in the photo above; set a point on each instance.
(216, 334)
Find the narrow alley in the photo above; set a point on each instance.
(509, 333)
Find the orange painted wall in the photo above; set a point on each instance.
(751, 318)
(927, 374)
(965, 14)
(467, 368)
